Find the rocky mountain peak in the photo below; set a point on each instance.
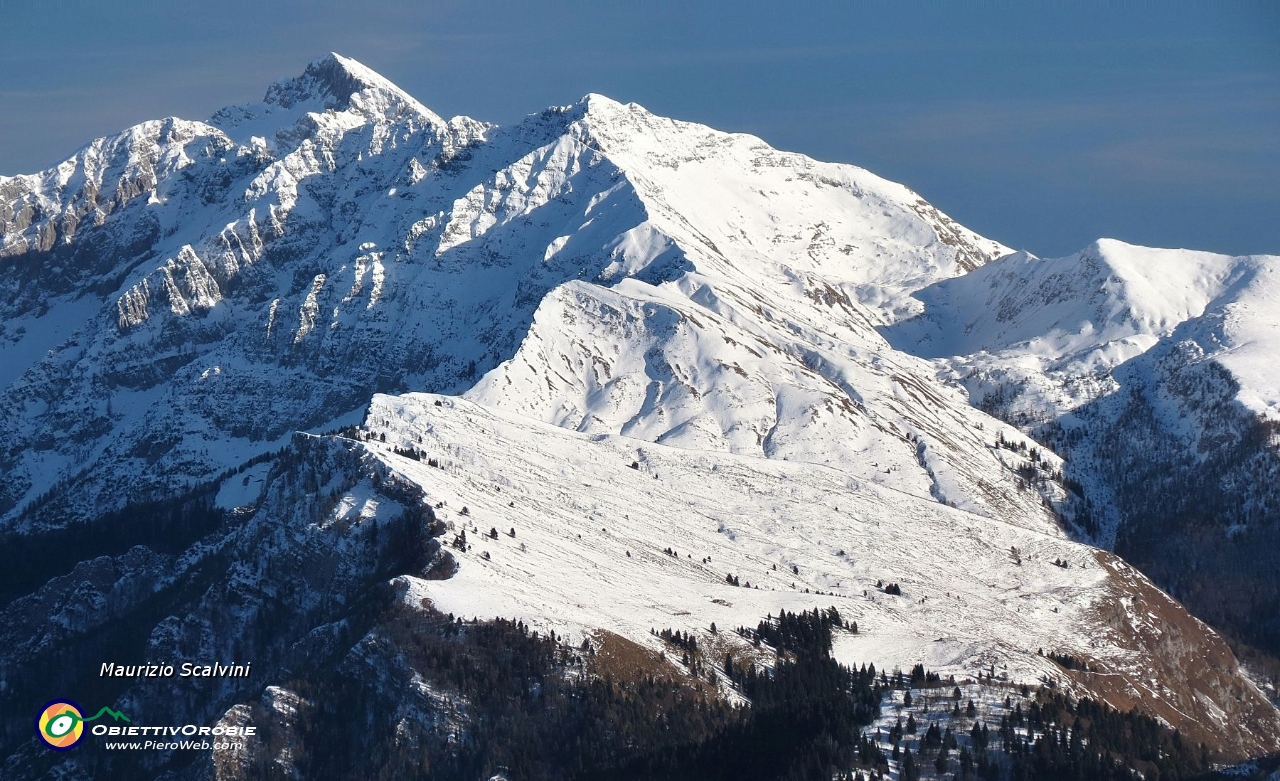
(334, 82)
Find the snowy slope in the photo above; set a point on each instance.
(180, 297)
(594, 516)
(1176, 346)
(1061, 326)
(709, 363)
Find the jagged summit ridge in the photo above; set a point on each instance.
(332, 80)
(333, 92)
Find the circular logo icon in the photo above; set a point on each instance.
(60, 724)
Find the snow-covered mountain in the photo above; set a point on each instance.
(183, 295)
(681, 337)
(594, 516)
(1051, 332)
(1152, 371)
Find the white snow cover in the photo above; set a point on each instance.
(624, 535)
(578, 507)
(1062, 325)
(339, 238)
(598, 286)
(1076, 341)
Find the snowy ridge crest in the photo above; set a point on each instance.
(1061, 326)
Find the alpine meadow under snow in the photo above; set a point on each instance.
(626, 373)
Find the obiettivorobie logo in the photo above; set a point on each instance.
(61, 726)
(61, 723)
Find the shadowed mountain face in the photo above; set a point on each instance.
(733, 361)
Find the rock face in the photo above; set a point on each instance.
(280, 586)
(725, 358)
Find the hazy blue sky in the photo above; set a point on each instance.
(1043, 125)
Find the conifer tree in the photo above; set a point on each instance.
(909, 770)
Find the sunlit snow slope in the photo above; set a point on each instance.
(616, 534)
(1056, 329)
(1176, 346)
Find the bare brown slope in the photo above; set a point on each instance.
(1179, 670)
